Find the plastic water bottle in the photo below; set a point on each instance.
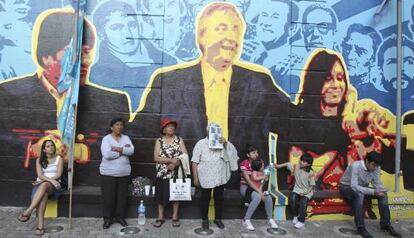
(268, 169)
(141, 213)
(266, 172)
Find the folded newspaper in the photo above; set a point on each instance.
(214, 135)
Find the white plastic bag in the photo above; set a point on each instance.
(180, 188)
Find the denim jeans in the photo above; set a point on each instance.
(298, 211)
(255, 201)
(356, 199)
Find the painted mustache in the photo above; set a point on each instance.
(405, 81)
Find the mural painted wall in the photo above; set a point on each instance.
(320, 75)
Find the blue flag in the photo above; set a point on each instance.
(66, 69)
(69, 82)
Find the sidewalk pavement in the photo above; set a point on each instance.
(92, 227)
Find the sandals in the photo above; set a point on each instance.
(23, 218)
(39, 231)
(158, 223)
(176, 222)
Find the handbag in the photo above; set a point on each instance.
(137, 187)
(180, 189)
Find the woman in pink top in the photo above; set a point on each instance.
(49, 168)
(253, 194)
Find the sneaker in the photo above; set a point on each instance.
(249, 226)
(364, 233)
(295, 220)
(272, 224)
(390, 231)
(299, 225)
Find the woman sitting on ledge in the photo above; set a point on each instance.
(49, 168)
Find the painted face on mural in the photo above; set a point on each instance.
(87, 60)
(221, 39)
(172, 8)
(8, 30)
(53, 67)
(16, 34)
(19, 8)
(389, 66)
(121, 33)
(172, 24)
(272, 20)
(173, 11)
(358, 52)
(319, 34)
(412, 18)
(334, 86)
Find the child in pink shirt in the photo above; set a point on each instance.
(258, 177)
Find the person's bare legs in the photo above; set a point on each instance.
(41, 211)
(175, 206)
(160, 212)
(44, 188)
(160, 220)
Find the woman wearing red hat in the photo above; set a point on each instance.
(169, 154)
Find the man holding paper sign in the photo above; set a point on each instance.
(212, 170)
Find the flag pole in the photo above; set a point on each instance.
(70, 173)
(70, 161)
(398, 97)
(70, 179)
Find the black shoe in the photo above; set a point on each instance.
(364, 233)
(205, 225)
(122, 222)
(390, 231)
(219, 223)
(107, 223)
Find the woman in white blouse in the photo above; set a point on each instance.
(115, 170)
(49, 168)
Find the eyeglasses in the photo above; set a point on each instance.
(323, 28)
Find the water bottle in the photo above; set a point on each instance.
(268, 169)
(266, 172)
(141, 213)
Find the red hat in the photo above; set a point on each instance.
(165, 122)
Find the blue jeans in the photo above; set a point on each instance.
(356, 199)
(298, 211)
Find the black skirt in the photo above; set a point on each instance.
(162, 191)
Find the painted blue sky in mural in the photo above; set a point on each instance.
(137, 37)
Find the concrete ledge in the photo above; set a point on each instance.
(87, 203)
